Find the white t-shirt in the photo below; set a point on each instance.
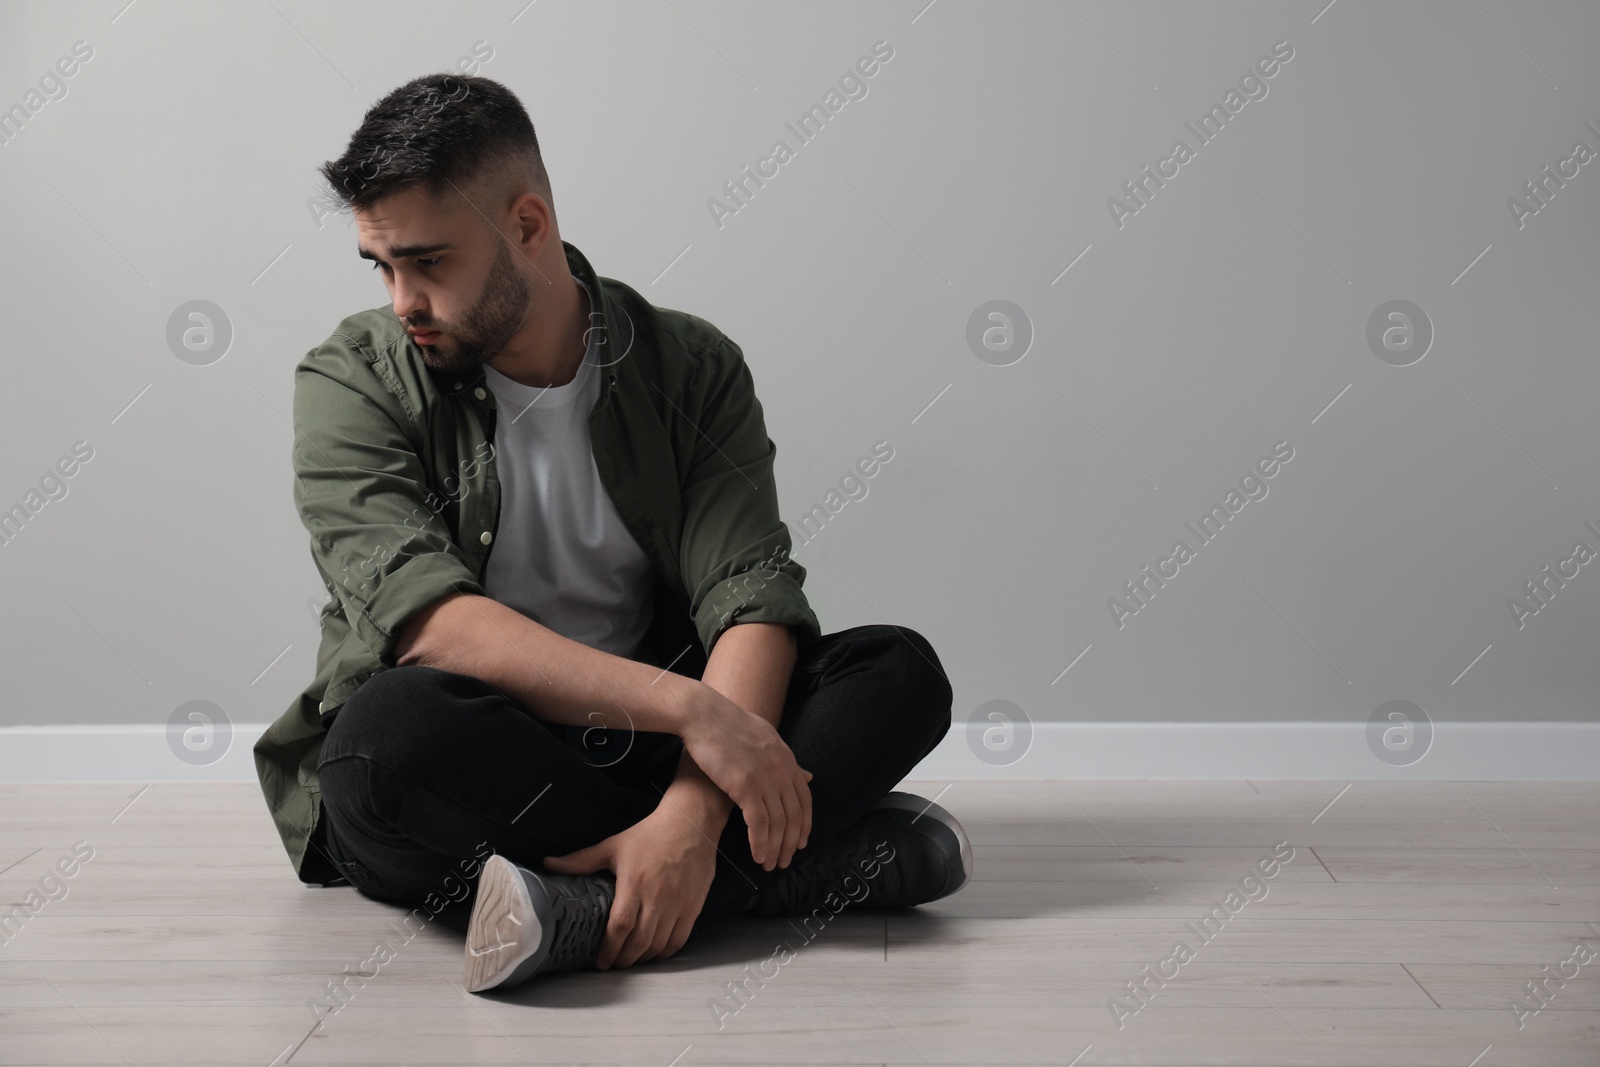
(562, 555)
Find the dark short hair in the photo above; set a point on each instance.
(440, 133)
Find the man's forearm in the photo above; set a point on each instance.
(554, 677)
(750, 664)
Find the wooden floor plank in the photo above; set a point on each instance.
(1410, 916)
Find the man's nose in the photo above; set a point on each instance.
(408, 302)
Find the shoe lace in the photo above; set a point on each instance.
(581, 911)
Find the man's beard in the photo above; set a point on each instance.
(486, 329)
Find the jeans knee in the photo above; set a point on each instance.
(919, 671)
(919, 664)
(395, 685)
(391, 716)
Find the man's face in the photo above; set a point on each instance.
(453, 279)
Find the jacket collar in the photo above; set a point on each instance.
(614, 327)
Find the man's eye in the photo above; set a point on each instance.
(431, 261)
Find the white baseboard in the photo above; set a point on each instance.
(1517, 751)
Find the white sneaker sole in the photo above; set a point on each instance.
(505, 931)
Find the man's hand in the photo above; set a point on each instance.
(744, 756)
(664, 866)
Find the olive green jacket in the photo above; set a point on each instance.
(395, 480)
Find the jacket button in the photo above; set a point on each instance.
(456, 386)
(322, 706)
(486, 537)
(479, 393)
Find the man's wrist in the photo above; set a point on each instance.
(699, 799)
(682, 701)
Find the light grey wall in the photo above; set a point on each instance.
(1182, 345)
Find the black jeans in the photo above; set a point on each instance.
(423, 771)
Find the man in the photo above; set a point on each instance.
(565, 632)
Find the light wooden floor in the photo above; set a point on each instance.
(1409, 918)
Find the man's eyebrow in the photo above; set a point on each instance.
(406, 251)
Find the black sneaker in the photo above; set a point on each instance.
(524, 923)
(905, 851)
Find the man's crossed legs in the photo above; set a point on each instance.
(424, 768)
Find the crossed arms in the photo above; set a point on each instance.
(732, 754)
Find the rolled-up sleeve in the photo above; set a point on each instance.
(736, 550)
(362, 491)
